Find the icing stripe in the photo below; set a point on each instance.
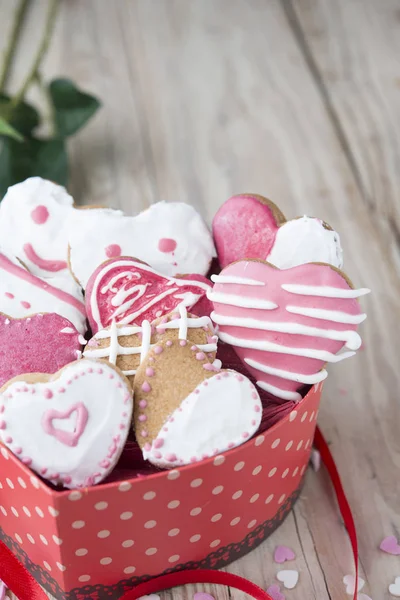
(191, 323)
(113, 280)
(241, 301)
(299, 377)
(351, 338)
(271, 347)
(275, 391)
(114, 345)
(129, 318)
(239, 280)
(146, 337)
(324, 291)
(104, 334)
(336, 316)
(183, 323)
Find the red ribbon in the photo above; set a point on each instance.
(24, 586)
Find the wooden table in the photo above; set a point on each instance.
(299, 101)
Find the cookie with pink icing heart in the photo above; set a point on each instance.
(128, 291)
(127, 345)
(285, 325)
(186, 409)
(22, 294)
(69, 427)
(42, 343)
(250, 226)
(169, 236)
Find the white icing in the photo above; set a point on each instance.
(67, 330)
(106, 399)
(39, 297)
(278, 392)
(239, 280)
(104, 334)
(323, 291)
(351, 338)
(110, 285)
(146, 337)
(242, 301)
(217, 364)
(139, 237)
(183, 325)
(133, 293)
(305, 240)
(337, 316)
(114, 345)
(133, 316)
(209, 422)
(266, 346)
(299, 377)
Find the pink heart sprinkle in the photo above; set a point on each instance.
(203, 596)
(275, 592)
(283, 553)
(390, 545)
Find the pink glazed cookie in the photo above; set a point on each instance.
(69, 427)
(250, 226)
(285, 325)
(42, 343)
(128, 291)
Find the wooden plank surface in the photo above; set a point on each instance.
(299, 102)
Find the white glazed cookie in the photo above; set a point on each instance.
(69, 427)
(171, 237)
(23, 294)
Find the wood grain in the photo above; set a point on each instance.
(297, 101)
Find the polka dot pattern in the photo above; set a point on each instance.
(149, 524)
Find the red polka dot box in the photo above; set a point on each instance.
(98, 543)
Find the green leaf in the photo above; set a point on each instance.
(72, 107)
(44, 158)
(24, 118)
(9, 131)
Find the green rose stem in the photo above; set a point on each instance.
(18, 22)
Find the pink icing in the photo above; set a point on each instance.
(200, 356)
(146, 386)
(40, 214)
(9, 295)
(53, 266)
(158, 443)
(65, 437)
(143, 404)
(47, 394)
(25, 304)
(113, 250)
(150, 372)
(36, 345)
(167, 245)
(183, 342)
(158, 349)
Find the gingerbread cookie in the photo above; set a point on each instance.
(42, 343)
(127, 345)
(171, 237)
(128, 291)
(69, 427)
(186, 409)
(250, 226)
(286, 324)
(23, 294)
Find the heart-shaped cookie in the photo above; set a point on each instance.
(171, 237)
(285, 325)
(23, 294)
(250, 226)
(127, 345)
(69, 427)
(128, 291)
(186, 409)
(42, 343)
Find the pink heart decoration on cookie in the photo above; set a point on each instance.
(275, 592)
(250, 226)
(69, 427)
(286, 324)
(390, 545)
(283, 553)
(43, 343)
(129, 291)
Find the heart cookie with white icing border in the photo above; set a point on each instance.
(285, 325)
(126, 346)
(251, 226)
(129, 291)
(69, 427)
(187, 410)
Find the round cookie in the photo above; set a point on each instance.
(186, 409)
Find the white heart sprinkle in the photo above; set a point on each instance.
(288, 577)
(350, 582)
(394, 588)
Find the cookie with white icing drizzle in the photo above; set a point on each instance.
(188, 410)
(127, 345)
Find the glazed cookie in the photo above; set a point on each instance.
(187, 410)
(69, 427)
(127, 345)
(23, 294)
(171, 237)
(250, 226)
(128, 291)
(286, 324)
(42, 343)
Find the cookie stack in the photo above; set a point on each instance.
(109, 324)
